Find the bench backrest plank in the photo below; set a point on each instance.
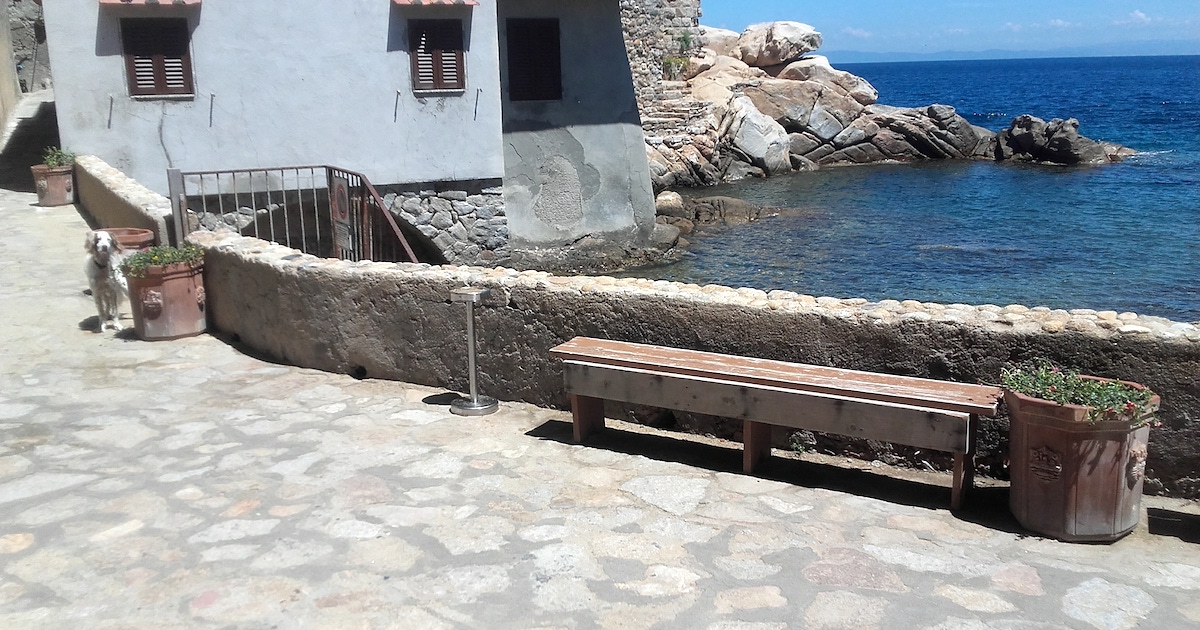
(904, 390)
(904, 424)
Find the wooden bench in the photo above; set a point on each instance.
(924, 413)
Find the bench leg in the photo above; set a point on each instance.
(964, 469)
(756, 444)
(587, 415)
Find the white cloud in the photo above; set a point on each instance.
(856, 32)
(1137, 17)
(1061, 24)
(1009, 26)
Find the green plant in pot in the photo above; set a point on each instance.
(166, 291)
(1077, 451)
(54, 177)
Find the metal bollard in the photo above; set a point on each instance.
(476, 405)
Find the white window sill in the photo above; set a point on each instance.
(438, 92)
(163, 97)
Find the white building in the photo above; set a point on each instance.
(535, 95)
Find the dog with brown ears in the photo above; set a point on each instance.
(105, 278)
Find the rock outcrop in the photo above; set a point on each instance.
(773, 108)
(1031, 139)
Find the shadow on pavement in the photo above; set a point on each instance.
(986, 506)
(25, 146)
(1185, 527)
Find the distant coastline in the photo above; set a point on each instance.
(1142, 49)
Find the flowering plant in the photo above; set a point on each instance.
(137, 263)
(1105, 399)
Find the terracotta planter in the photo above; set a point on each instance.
(169, 302)
(132, 238)
(1071, 479)
(55, 184)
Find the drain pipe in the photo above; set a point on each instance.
(476, 405)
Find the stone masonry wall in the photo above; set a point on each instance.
(395, 321)
(30, 56)
(467, 227)
(653, 30)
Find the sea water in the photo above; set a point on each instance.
(1123, 237)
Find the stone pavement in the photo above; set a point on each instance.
(186, 484)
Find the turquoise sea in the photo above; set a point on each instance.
(1122, 237)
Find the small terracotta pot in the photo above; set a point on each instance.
(168, 302)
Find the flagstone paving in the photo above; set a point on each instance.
(187, 484)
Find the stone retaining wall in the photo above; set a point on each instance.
(395, 321)
(114, 199)
(466, 226)
(655, 29)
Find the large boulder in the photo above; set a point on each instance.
(757, 136)
(715, 85)
(933, 132)
(789, 103)
(801, 106)
(720, 40)
(702, 61)
(816, 68)
(774, 43)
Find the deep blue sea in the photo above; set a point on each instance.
(1122, 237)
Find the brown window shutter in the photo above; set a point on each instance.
(436, 50)
(156, 56)
(534, 59)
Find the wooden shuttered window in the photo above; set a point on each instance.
(436, 50)
(157, 61)
(534, 59)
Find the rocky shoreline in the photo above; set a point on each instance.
(758, 103)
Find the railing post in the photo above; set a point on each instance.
(178, 198)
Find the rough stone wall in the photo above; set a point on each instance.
(395, 321)
(680, 131)
(9, 94)
(653, 30)
(29, 44)
(468, 227)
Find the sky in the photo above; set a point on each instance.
(935, 26)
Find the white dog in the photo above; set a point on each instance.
(103, 270)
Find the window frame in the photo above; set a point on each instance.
(534, 51)
(449, 38)
(166, 42)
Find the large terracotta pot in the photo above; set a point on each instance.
(1071, 479)
(55, 184)
(168, 302)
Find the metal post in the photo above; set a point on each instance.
(476, 405)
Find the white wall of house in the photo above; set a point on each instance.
(280, 84)
(577, 166)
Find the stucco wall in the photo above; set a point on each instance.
(385, 320)
(281, 84)
(577, 166)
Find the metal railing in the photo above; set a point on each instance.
(325, 211)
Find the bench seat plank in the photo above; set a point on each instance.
(960, 397)
(921, 427)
